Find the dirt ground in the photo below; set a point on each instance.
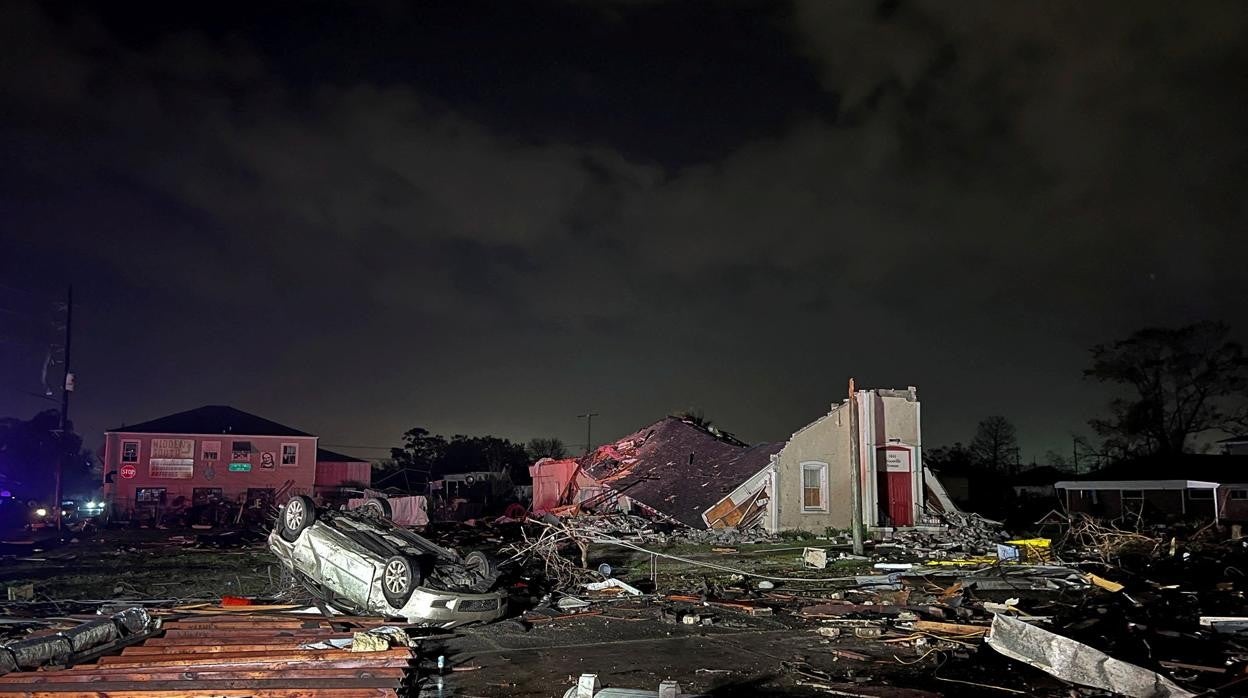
(742, 657)
(134, 564)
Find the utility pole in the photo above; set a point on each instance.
(1074, 447)
(589, 429)
(855, 470)
(67, 386)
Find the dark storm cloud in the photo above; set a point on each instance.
(965, 201)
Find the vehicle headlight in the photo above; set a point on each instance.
(41, 512)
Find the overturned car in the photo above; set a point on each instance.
(361, 562)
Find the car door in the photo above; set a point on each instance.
(341, 565)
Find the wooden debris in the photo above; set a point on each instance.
(954, 629)
(235, 656)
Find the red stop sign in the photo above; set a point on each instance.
(128, 471)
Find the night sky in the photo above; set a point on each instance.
(489, 217)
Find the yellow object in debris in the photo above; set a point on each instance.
(1033, 549)
(1103, 583)
(962, 563)
(368, 642)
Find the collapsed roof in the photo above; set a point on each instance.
(675, 467)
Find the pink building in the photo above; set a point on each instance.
(213, 453)
(335, 470)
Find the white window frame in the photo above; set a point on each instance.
(1238, 493)
(281, 455)
(210, 447)
(822, 469)
(138, 451)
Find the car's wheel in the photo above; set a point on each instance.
(298, 514)
(484, 567)
(376, 506)
(398, 580)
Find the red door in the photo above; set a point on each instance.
(900, 503)
(895, 487)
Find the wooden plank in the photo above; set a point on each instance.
(223, 685)
(215, 693)
(276, 640)
(212, 649)
(266, 625)
(227, 657)
(314, 632)
(205, 609)
(362, 660)
(241, 621)
(130, 674)
(955, 629)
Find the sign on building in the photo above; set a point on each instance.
(171, 468)
(896, 461)
(173, 448)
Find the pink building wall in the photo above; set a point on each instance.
(262, 468)
(330, 474)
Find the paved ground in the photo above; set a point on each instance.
(717, 661)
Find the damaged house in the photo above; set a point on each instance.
(672, 470)
(680, 472)
(805, 485)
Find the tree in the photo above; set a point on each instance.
(995, 445)
(546, 448)
(950, 459)
(425, 457)
(421, 452)
(1058, 460)
(30, 450)
(1181, 383)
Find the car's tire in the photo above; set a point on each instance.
(298, 514)
(485, 567)
(399, 578)
(376, 506)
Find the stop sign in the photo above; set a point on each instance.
(128, 471)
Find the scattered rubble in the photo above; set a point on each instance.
(1150, 612)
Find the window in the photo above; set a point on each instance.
(814, 487)
(210, 450)
(129, 451)
(1200, 494)
(1239, 494)
(149, 495)
(290, 454)
(240, 450)
(1132, 494)
(205, 495)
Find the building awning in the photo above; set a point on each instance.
(1136, 485)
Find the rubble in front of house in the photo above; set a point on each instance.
(1167, 617)
(961, 609)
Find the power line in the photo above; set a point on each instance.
(374, 448)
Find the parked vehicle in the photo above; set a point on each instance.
(361, 562)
